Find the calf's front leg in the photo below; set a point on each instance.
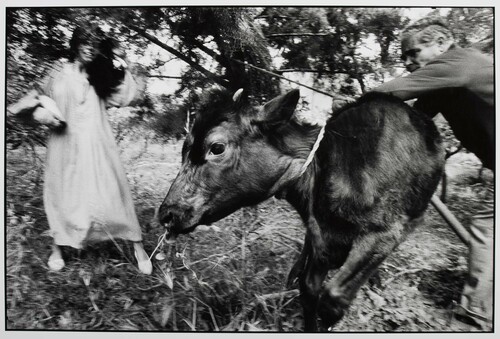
(367, 252)
(299, 267)
(314, 249)
(310, 282)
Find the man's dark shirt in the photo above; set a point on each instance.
(460, 85)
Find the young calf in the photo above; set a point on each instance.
(366, 186)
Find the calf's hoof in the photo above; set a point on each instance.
(330, 311)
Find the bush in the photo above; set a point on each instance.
(170, 123)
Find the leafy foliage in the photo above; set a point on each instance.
(473, 27)
(325, 40)
(216, 42)
(385, 24)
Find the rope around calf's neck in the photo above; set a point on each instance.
(310, 157)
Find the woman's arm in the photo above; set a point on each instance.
(131, 89)
(125, 92)
(25, 106)
(36, 108)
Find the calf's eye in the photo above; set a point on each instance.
(217, 148)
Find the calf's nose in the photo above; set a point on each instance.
(171, 215)
(165, 214)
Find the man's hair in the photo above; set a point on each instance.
(427, 30)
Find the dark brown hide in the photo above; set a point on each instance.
(370, 181)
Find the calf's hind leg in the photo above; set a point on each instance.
(367, 252)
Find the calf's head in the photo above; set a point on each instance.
(235, 155)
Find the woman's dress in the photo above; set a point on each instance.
(86, 194)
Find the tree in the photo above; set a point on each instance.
(230, 46)
(204, 36)
(385, 24)
(199, 36)
(473, 27)
(326, 41)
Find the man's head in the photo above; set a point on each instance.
(423, 41)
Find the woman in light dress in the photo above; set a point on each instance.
(86, 193)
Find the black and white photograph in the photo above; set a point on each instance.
(250, 168)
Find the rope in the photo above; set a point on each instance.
(282, 77)
(313, 151)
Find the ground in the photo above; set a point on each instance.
(230, 277)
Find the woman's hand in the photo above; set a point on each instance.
(119, 63)
(26, 105)
(34, 108)
(49, 114)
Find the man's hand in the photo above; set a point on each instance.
(340, 101)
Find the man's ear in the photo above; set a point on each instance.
(279, 109)
(441, 41)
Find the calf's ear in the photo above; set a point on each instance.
(279, 109)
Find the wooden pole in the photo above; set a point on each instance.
(456, 226)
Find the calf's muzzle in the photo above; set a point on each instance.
(175, 218)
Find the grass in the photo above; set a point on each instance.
(226, 280)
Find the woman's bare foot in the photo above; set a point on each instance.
(143, 261)
(56, 262)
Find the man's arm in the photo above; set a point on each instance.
(434, 76)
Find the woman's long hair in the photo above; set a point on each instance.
(102, 75)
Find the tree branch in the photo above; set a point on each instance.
(296, 34)
(310, 70)
(208, 51)
(281, 77)
(181, 56)
(263, 16)
(164, 76)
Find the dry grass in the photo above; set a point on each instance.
(227, 280)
